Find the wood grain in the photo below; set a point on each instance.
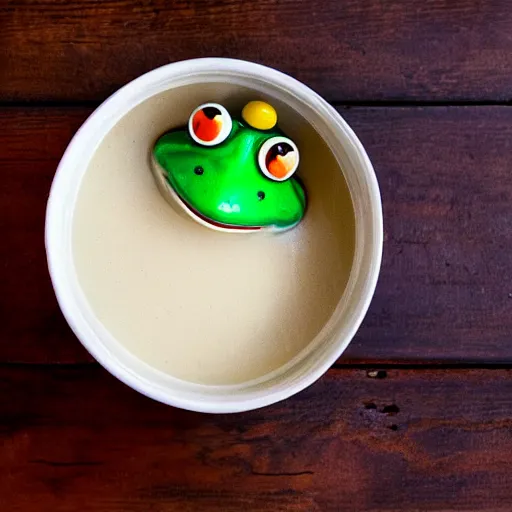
(445, 290)
(31, 325)
(444, 293)
(415, 441)
(352, 50)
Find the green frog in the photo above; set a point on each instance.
(232, 175)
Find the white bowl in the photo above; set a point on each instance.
(330, 343)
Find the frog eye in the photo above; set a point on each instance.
(210, 124)
(278, 158)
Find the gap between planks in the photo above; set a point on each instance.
(373, 366)
(335, 103)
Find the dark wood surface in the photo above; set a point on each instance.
(417, 414)
(412, 441)
(359, 50)
(445, 290)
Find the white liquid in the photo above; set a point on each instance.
(203, 306)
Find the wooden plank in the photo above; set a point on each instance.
(444, 292)
(353, 50)
(75, 438)
(31, 325)
(447, 189)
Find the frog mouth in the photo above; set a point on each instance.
(175, 200)
(212, 223)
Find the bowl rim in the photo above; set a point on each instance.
(148, 380)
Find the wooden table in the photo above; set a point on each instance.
(417, 414)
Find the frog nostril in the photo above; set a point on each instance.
(199, 170)
(261, 195)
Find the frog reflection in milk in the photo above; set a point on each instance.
(229, 175)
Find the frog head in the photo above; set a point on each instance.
(231, 175)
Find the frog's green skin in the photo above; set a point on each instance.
(227, 195)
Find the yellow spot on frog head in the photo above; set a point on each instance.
(260, 115)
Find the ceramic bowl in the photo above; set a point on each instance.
(316, 358)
